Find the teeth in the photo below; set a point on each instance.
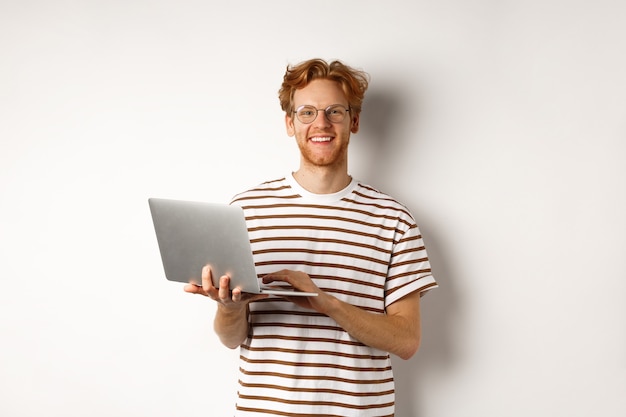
(325, 139)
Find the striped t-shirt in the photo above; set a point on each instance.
(359, 245)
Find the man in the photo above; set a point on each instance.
(319, 230)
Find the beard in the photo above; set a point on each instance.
(324, 159)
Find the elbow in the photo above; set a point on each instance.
(409, 349)
(231, 341)
(228, 338)
(230, 345)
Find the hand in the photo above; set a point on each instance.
(234, 299)
(302, 282)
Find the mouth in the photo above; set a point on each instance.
(321, 139)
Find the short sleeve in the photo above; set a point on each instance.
(409, 268)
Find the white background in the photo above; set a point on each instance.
(501, 124)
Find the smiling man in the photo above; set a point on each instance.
(320, 230)
(323, 141)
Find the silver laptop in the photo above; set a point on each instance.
(192, 234)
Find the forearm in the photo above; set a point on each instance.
(396, 334)
(231, 326)
(397, 331)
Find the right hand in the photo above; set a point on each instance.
(234, 299)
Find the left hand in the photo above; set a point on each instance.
(302, 282)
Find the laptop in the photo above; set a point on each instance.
(192, 234)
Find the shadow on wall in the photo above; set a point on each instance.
(379, 135)
(388, 126)
(438, 352)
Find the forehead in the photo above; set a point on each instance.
(320, 93)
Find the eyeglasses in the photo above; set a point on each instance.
(335, 113)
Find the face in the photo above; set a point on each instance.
(322, 143)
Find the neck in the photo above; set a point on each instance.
(322, 181)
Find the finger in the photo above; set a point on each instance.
(191, 288)
(269, 278)
(224, 290)
(207, 278)
(236, 295)
(194, 289)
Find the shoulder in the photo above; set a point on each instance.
(274, 188)
(380, 202)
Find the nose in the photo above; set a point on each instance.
(321, 119)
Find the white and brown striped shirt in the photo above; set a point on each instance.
(359, 245)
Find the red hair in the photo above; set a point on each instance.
(353, 82)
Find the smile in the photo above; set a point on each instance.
(321, 139)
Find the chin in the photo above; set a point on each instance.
(331, 159)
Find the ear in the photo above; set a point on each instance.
(291, 130)
(355, 124)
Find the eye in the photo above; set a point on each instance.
(335, 110)
(306, 111)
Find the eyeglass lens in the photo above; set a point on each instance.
(335, 113)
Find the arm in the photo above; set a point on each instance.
(231, 318)
(398, 331)
(231, 325)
